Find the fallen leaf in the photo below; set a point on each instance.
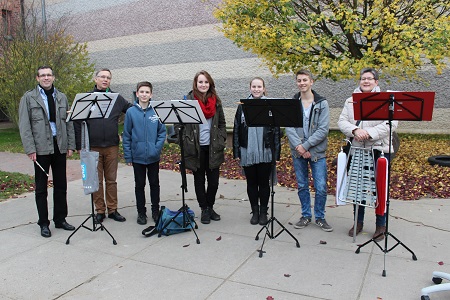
(290, 223)
(287, 275)
(323, 242)
(187, 245)
(269, 298)
(441, 263)
(219, 238)
(221, 196)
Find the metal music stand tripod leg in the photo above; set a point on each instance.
(95, 225)
(91, 106)
(414, 115)
(184, 208)
(272, 113)
(270, 233)
(180, 112)
(386, 233)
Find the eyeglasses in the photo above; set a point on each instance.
(45, 75)
(367, 78)
(104, 77)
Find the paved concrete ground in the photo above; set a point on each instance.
(175, 267)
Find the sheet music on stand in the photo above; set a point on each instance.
(188, 111)
(95, 105)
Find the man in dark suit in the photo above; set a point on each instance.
(47, 140)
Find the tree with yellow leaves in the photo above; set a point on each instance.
(337, 38)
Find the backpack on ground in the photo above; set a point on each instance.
(171, 222)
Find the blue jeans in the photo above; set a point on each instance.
(319, 175)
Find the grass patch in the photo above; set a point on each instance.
(10, 140)
(14, 184)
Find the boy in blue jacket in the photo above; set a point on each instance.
(143, 140)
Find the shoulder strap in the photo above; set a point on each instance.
(84, 136)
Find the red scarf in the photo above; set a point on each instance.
(208, 108)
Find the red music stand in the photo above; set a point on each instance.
(402, 106)
(408, 106)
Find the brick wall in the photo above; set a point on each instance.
(12, 11)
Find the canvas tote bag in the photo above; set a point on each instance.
(89, 162)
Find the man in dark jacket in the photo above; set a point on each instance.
(104, 138)
(47, 139)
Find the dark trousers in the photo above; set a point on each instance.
(206, 197)
(152, 171)
(57, 162)
(379, 220)
(258, 187)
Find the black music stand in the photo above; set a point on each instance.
(405, 106)
(180, 112)
(91, 106)
(273, 113)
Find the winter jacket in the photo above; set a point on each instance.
(103, 132)
(191, 140)
(240, 136)
(319, 124)
(143, 136)
(378, 130)
(34, 125)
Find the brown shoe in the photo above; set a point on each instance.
(359, 228)
(379, 230)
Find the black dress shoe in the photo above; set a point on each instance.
(45, 231)
(99, 218)
(142, 219)
(117, 217)
(64, 225)
(206, 216)
(213, 215)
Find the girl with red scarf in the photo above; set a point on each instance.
(204, 145)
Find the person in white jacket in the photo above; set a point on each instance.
(367, 134)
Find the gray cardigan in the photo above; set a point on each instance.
(319, 124)
(34, 125)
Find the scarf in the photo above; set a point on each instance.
(208, 108)
(51, 103)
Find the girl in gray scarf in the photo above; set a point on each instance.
(252, 146)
